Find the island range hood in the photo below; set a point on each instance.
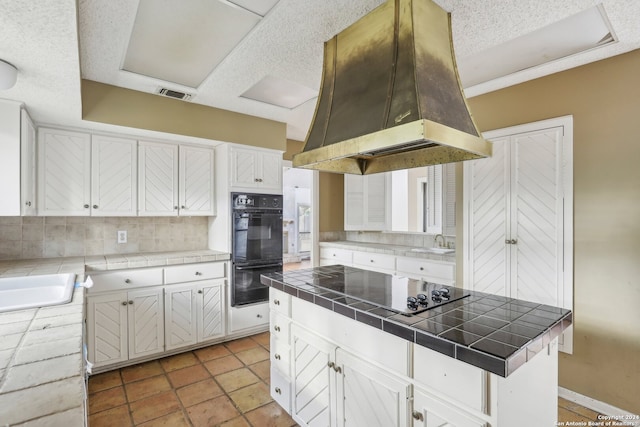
(391, 97)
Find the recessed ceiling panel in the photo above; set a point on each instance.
(183, 41)
(578, 33)
(261, 7)
(280, 92)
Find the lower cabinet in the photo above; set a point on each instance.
(429, 411)
(333, 387)
(125, 325)
(194, 313)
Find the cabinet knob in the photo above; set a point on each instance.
(331, 364)
(124, 303)
(337, 368)
(200, 291)
(198, 273)
(95, 206)
(259, 316)
(276, 302)
(276, 328)
(183, 207)
(370, 260)
(260, 180)
(418, 416)
(86, 206)
(514, 241)
(277, 390)
(277, 356)
(28, 203)
(127, 280)
(130, 302)
(421, 268)
(175, 208)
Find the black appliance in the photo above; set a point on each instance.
(256, 247)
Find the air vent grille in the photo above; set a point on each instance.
(174, 94)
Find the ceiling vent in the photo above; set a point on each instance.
(174, 94)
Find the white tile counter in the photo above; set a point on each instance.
(41, 359)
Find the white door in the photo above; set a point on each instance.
(210, 310)
(157, 179)
(107, 328)
(518, 215)
(367, 396)
(146, 322)
(196, 181)
(313, 379)
(64, 179)
(180, 315)
(114, 168)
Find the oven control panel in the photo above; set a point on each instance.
(256, 201)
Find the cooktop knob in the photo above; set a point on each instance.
(444, 291)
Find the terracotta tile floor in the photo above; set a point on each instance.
(221, 385)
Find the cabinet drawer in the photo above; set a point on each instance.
(280, 302)
(375, 260)
(457, 380)
(444, 272)
(192, 272)
(280, 389)
(340, 256)
(252, 316)
(280, 356)
(125, 279)
(280, 327)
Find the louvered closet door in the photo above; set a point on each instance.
(180, 316)
(536, 216)
(107, 328)
(196, 181)
(157, 179)
(64, 179)
(146, 322)
(211, 311)
(488, 206)
(114, 168)
(312, 379)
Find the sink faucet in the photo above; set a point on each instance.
(435, 241)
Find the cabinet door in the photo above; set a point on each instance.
(28, 164)
(353, 202)
(271, 173)
(244, 167)
(434, 199)
(157, 179)
(196, 181)
(64, 179)
(210, 310)
(146, 322)
(431, 412)
(313, 387)
(113, 176)
(180, 315)
(377, 203)
(107, 328)
(367, 396)
(449, 199)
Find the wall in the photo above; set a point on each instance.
(125, 107)
(38, 237)
(603, 99)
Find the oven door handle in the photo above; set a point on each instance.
(255, 267)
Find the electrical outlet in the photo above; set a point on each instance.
(122, 236)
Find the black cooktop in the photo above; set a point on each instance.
(396, 293)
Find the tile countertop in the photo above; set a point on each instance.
(384, 248)
(41, 360)
(491, 332)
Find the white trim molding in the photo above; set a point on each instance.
(628, 418)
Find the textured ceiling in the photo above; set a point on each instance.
(53, 46)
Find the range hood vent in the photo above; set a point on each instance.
(391, 96)
(174, 94)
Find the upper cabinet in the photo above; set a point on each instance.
(175, 180)
(17, 160)
(253, 168)
(367, 202)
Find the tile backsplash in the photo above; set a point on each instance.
(398, 239)
(50, 237)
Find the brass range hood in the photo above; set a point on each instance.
(391, 96)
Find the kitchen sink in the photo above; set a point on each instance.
(19, 293)
(434, 250)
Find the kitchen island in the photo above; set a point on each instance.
(341, 352)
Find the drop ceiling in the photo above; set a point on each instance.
(54, 46)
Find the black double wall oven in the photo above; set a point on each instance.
(256, 245)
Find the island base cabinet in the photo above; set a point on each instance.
(429, 411)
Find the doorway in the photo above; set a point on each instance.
(299, 218)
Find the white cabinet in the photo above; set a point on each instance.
(28, 164)
(440, 204)
(64, 173)
(125, 325)
(382, 263)
(249, 317)
(175, 180)
(442, 272)
(333, 256)
(429, 411)
(255, 169)
(367, 202)
(81, 175)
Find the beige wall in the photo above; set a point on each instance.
(604, 99)
(124, 107)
